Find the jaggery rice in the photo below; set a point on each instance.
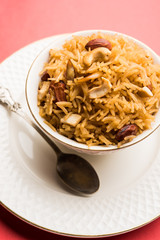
(90, 100)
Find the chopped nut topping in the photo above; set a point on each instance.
(150, 86)
(72, 120)
(145, 92)
(98, 54)
(90, 77)
(70, 72)
(43, 91)
(100, 91)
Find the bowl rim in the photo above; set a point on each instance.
(79, 146)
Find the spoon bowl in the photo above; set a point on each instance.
(78, 174)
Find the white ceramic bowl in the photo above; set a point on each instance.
(32, 87)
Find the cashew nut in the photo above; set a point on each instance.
(98, 54)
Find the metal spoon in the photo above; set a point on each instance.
(73, 170)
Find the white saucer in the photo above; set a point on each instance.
(129, 195)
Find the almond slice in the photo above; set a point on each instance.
(70, 72)
(90, 77)
(100, 91)
(72, 120)
(107, 82)
(145, 92)
(43, 91)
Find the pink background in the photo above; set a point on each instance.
(25, 21)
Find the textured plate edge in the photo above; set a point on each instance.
(76, 235)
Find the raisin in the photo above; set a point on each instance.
(45, 77)
(127, 130)
(59, 88)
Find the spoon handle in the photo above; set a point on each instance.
(7, 100)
